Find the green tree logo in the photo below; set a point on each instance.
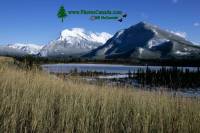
(62, 13)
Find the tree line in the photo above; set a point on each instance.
(173, 78)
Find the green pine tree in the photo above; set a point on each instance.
(62, 13)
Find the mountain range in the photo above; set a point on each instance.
(32, 49)
(75, 41)
(140, 41)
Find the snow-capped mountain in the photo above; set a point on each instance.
(8, 51)
(32, 49)
(75, 41)
(145, 41)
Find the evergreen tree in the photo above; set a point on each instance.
(62, 13)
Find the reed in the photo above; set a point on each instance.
(34, 101)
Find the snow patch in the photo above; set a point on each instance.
(120, 33)
(117, 38)
(182, 53)
(118, 76)
(156, 41)
(180, 34)
(155, 32)
(141, 50)
(107, 48)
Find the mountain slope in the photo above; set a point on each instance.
(27, 48)
(145, 41)
(7, 51)
(74, 41)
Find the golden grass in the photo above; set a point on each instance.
(6, 60)
(33, 101)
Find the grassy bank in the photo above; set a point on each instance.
(33, 101)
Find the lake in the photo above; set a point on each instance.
(119, 72)
(107, 68)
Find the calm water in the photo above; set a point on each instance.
(120, 69)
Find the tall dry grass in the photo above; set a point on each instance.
(33, 101)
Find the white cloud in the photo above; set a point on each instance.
(175, 1)
(196, 24)
(179, 33)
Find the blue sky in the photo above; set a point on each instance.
(35, 21)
